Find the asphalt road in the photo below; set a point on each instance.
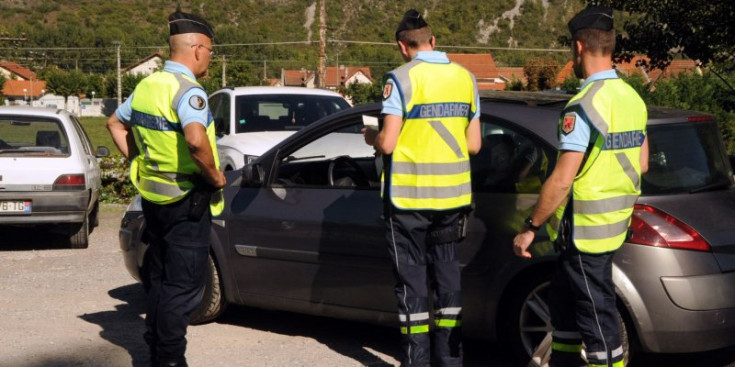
(64, 308)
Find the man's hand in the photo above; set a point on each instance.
(370, 135)
(522, 241)
(219, 180)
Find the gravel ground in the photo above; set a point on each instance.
(65, 308)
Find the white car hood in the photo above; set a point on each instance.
(255, 143)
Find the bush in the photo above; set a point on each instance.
(116, 185)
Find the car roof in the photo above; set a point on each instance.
(32, 111)
(280, 90)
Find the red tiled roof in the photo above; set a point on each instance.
(566, 72)
(633, 67)
(481, 65)
(14, 88)
(18, 70)
(295, 77)
(336, 75)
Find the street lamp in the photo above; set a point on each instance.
(92, 97)
(25, 95)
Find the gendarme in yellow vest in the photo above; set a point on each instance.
(607, 186)
(430, 167)
(164, 169)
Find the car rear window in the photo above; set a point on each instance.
(283, 112)
(685, 157)
(28, 136)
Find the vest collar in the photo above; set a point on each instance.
(177, 68)
(606, 74)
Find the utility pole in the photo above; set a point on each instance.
(224, 71)
(119, 78)
(265, 71)
(321, 72)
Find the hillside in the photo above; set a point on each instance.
(79, 34)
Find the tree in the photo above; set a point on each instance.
(662, 29)
(541, 73)
(361, 93)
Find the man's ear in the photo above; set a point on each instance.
(432, 42)
(579, 47)
(402, 46)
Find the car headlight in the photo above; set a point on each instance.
(249, 158)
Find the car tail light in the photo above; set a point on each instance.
(69, 183)
(699, 118)
(652, 227)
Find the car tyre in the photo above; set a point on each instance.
(213, 301)
(79, 234)
(529, 323)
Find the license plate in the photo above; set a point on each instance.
(15, 207)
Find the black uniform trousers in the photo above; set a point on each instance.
(416, 263)
(176, 267)
(583, 310)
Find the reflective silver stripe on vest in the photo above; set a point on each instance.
(444, 192)
(173, 176)
(449, 311)
(447, 137)
(164, 189)
(403, 78)
(184, 86)
(598, 356)
(414, 317)
(407, 168)
(629, 169)
(601, 231)
(586, 103)
(604, 205)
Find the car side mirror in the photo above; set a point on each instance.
(102, 151)
(252, 175)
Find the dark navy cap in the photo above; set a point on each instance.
(595, 17)
(180, 22)
(411, 20)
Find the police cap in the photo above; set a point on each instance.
(595, 17)
(180, 22)
(411, 20)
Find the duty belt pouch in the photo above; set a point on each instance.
(199, 203)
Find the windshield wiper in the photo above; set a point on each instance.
(721, 184)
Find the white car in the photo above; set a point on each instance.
(49, 174)
(251, 120)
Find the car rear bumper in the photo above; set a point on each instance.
(48, 207)
(679, 300)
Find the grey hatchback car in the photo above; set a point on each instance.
(303, 232)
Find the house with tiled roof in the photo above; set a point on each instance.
(24, 90)
(14, 71)
(512, 73)
(637, 66)
(335, 77)
(146, 66)
(484, 69)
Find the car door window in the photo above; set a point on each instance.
(219, 105)
(86, 144)
(509, 161)
(339, 158)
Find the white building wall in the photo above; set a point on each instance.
(146, 68)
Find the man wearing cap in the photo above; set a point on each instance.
(588, 199)
(430, 127)
(166, 127)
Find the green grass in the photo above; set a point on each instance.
(97, 131)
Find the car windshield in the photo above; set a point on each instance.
(24, 136)
(686, 157)
(281, 112)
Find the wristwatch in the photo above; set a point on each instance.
(529, 224)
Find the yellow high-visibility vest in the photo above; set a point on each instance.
(164, 169)
(606, 188)
(430, 167)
